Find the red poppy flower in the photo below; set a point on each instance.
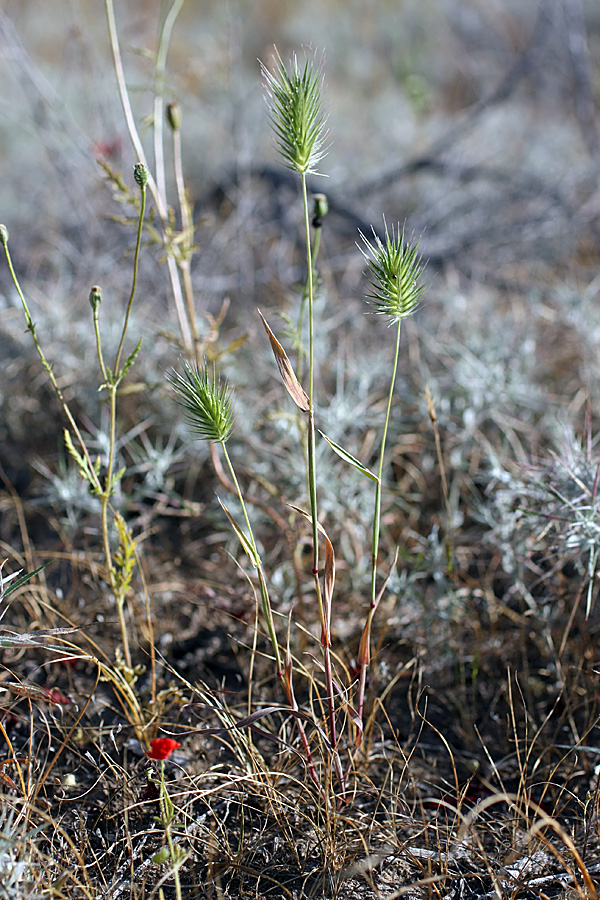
(161, 748)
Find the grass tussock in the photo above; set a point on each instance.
(299, 602)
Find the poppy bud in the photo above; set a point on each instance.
(95, 297)
(140, 173)
(320, 209)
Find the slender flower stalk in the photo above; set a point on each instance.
(396, 270)
(186, 249)
(113, 378)
(299, 124)
(320, 210)
(160, 750)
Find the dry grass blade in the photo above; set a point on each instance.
(293, 386)
(34, 638)
(328, 569)
(364, 651)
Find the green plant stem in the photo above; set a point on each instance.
(105, 501)
(167, 816)
(325, 615)
(99, 347)
(378, 489)
(305, 293)
(113, 388)
(312, 481)
(65, 407)
(136, 260)
(377, 514)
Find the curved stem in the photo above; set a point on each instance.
(376, 529)
(378, 490)
(136, 260)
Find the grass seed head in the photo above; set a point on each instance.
(396, 270)
(296, 113)
(206, 401)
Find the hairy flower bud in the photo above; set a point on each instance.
(140, 173)
(3, 235)
(95, 297)
(174, 116)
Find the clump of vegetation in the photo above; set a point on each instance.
(343, 642)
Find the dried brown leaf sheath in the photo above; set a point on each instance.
(294, 388)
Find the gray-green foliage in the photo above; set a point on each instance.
(16, 881)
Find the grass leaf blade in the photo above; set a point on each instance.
(347, 457)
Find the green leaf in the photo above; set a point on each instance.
(244, 541)
(130, 360)
(4, 593)
(82, 462)
(347, 457)
(163, 854)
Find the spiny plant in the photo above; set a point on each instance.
(396, 270)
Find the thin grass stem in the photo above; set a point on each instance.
(159, 90)
(377, 523)
(184, 326)
(187, 226)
